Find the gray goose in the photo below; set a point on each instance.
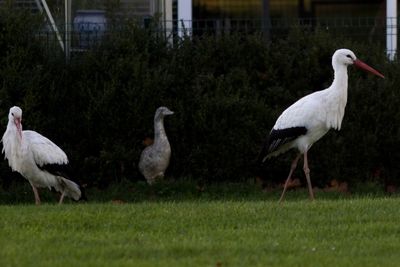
(154, 159)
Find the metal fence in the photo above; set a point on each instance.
(364, 29)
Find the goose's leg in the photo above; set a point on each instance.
(292, 168)
(307, 173)
(36, 193)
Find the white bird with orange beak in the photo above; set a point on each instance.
(36, 158)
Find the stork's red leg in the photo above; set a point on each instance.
(36, 193)
(307, 173)
(292, 168)
(61, 197)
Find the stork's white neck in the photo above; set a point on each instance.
(337, 96)
(340, 80)
(12, 145)
(13, 131)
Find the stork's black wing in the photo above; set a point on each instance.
(63, 170)
(279, 137)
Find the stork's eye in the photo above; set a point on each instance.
(349, 56)
(12, 114)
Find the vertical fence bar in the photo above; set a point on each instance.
(67, 30)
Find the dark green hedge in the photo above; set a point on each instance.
(226, 93)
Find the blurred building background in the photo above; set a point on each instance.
(365, 19)
(216, 9)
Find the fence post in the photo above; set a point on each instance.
(391, 28)
(184, 17)
(168, 20)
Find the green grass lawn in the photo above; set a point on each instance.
(328, 232)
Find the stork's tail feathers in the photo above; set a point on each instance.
(70, 188)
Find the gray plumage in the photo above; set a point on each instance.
(154, 159)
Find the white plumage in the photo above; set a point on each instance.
(311, 117)
(30, 154)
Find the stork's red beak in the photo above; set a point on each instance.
(358, 63)
(17, 122)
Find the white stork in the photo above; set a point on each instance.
(36, 158)
(311, 117)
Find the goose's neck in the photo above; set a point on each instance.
(159, 131)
